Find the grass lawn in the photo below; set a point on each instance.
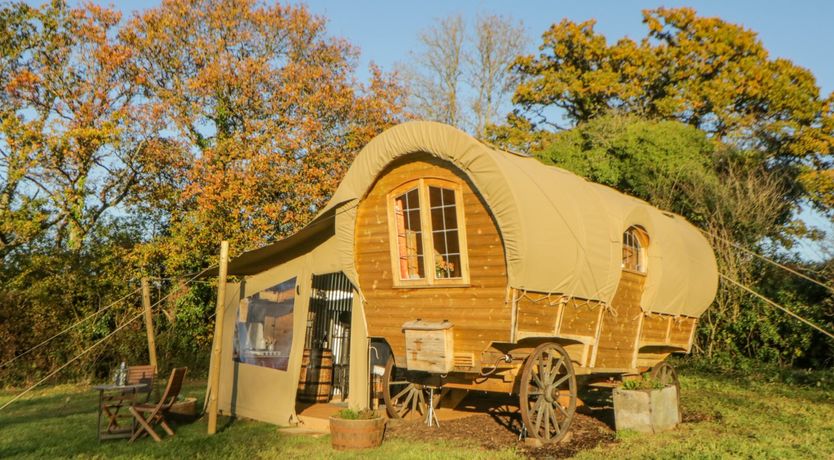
(739, 416)
(742, 416)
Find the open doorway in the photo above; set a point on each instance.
(326, 363)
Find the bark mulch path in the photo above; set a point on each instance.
(497, 428)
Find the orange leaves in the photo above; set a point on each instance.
(702, 71)
(220, 118)
(268, 102)
(705, 72)
(70, 106)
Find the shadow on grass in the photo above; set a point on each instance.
(598, 403)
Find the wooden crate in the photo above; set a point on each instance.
(429, 346)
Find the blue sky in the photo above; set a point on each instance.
(386, 31)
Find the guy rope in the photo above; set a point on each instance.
(762, 297)
(91, 347)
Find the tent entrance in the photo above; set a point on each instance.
(326, 363)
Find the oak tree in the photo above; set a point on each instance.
(269, 105)
(75, 140)
(702, 71)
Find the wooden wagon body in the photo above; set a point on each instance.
(497, 325)
(459, 266)
(489, 317)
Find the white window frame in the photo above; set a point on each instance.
(430, 279)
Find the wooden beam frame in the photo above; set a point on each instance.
(216, 355)
(146, 304)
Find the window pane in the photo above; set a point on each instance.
(448, 197)
(437, 219)
(445, 233)
(633, 251)
(450, 217)
(264, 329)
(409, 235)
(448, 266)
(452, 243)
(435, 197)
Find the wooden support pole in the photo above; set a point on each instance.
(146, 304)
(214, 371)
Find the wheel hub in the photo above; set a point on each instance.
(551, 393)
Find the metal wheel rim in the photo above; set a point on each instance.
(402, 398)
(546, 381)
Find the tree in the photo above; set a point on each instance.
(498, 40)
(462, 78)
(435, 81)
(269, 106)
(22, 217)
(728, 194)
(705, 72)
(71, 128)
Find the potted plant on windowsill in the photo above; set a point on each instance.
(443, 268)
(350, 429)
(646, 405)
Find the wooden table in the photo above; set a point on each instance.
(124, 389)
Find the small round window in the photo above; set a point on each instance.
(635, 241)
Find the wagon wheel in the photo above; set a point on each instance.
(666, 374)
(402, 398)
(547, 397)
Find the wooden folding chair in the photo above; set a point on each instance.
(148, 415)
(142, 374)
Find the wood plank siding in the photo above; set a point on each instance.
(621, 325)
(666, 330)
(479, 311)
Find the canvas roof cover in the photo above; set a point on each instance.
(562, 234)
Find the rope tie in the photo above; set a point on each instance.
(774, 304)
(69, 328)
(770, 261)
(90, 348)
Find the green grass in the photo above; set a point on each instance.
(747, 415)
(60, 422)
(744, 416)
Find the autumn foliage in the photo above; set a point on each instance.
(267, 104)
(165, 132)
(705, 72)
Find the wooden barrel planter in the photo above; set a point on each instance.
(316, 378)
(356, 434)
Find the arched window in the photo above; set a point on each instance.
(635, 241)
(428, 235)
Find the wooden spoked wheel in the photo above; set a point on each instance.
(547, 396)
(666, 374)
(403, 399)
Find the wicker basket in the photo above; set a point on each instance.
(356, 434)
(185, 408)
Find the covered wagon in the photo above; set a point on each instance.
(444, 263)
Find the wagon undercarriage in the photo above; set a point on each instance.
(544, 380)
